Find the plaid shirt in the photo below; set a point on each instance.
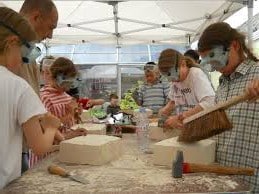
(240, 146)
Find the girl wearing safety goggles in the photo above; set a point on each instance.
(191, 90)
(223, 49)
(53, 95)
(21, 112)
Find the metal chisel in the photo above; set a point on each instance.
(57, 170)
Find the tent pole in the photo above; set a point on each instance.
(117, 35)
(250, 5)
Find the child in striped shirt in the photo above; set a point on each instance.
(53, 95)
(62, 74)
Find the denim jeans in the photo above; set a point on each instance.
(25, 161)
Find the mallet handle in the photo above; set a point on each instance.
(191, 167)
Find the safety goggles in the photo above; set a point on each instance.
(217, 58)
(172, 74)
(30, 52)
(64, 82)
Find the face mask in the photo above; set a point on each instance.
(30, 53)
(217, 58)
(65, 83)
(172, 74)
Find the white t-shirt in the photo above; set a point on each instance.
(18, 104)
(195, 89)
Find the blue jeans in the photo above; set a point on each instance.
(25, 161)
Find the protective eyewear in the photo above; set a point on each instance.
(216, 59)
(172, 74)
(62, 81)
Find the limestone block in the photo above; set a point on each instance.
(92, 128)
(202, 152)
(158, 133)
(90, 149)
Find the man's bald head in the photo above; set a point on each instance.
(43, 16)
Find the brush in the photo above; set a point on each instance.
(209, 122)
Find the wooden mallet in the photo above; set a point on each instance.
(179, 167)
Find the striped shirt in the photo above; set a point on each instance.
(154, 96)
(240, 146)
(56, 103)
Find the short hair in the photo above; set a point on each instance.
(193, 54)
(44, 6)
(113, 96)
(151, 63)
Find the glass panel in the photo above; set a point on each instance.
(61, 51)
(129, 77)
(94, 58)
(156, 50)
(137, 57)
(99, 81)
(135, 53)
(94, 48)
(134, 49)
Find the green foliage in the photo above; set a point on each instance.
(98, 113)
(128, 101)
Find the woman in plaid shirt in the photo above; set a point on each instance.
(224, 49)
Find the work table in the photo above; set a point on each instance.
(132, 173)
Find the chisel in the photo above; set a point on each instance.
(57, 170)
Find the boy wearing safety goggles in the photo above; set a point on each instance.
(22, 112)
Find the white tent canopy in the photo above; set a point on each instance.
(135, 22)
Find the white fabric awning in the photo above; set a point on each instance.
(135, 22)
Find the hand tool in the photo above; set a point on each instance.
(180, 167)
(209, 122)
(57, 170)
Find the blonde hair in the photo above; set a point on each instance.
(12, 23)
